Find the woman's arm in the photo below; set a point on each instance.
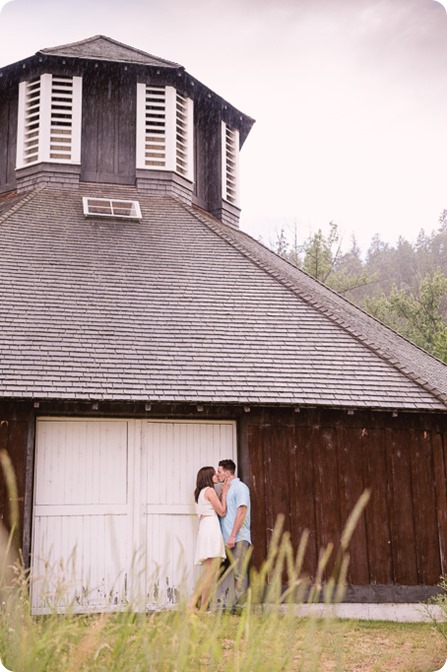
(220, 506)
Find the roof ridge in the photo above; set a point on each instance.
(89, 40)
(216, 226)
(26, 198)
(72, 44)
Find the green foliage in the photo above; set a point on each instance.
(439, 602)
(404, 286)
(418, 316)
(320, 255)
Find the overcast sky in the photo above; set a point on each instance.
(349, 97)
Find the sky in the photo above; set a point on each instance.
(349, 98)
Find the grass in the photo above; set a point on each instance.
(177, 641)
(257, 640)
(376, 647)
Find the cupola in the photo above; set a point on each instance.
(98, 111)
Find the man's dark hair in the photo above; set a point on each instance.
(228, 465)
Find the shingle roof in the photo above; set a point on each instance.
(100, 47)
(180, 307)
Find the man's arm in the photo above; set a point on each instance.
(240, 517)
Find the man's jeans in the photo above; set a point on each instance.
(232, 589)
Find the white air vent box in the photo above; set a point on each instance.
(113, 208)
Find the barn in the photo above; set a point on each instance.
(144, 335)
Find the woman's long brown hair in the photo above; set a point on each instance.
(204, 480)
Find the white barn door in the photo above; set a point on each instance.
(172, 454)
(113, 518)
(81, 515)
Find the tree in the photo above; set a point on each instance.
(281, 245)
(324, 260)
(286, 249)
(321, 257)
(418, 316)
(321, 253)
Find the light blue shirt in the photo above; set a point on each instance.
(237, 495)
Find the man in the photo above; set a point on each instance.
(236, 533)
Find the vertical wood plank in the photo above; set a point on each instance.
(268, 484)
(303, 493)
(4, 508)
(5, 123)
(8, 140)
(424, 497)
(403, 539)
(282, 439)
(255, 445)
(126, 153)
(28, 486)
(378, 510)
(13, 439)
(17, 443)
(327, 495)
(352, 485)
(439, 464)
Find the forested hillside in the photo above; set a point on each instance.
(405, 286)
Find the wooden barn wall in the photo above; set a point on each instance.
(108, 127)
(313, 466)
(207, 159)
(15, 433)
(8, 146)
(310, 466)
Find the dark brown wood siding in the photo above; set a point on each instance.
(13, 440)
(313, 466)
(108, 147)
(8, 142)
(207, 156)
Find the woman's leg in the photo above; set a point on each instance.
(210, 577)
(205, 583)
(207, 576)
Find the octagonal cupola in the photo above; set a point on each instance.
(98, 111)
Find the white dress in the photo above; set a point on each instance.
(210, 543)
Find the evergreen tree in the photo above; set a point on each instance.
(418, 316)
(398, 284)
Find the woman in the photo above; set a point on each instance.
(210, 549)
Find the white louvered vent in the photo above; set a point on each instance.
(113, 208)
(49, 120)
(230, 164)
(154, 142)
(183, 135)
(31, 122)
(61, 129)
(164, 130)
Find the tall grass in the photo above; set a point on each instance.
(437, 608)
(267, 635)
